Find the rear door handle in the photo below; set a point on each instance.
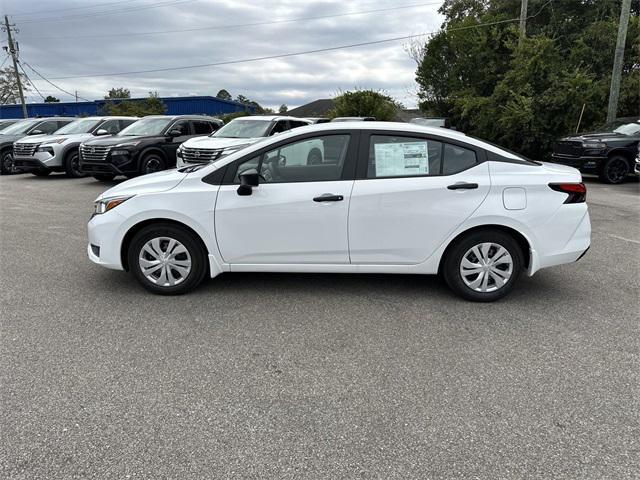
(463, 186)
(328, 197)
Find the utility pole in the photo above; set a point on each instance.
(523, 18)
(614, 91)
(76, 95)
(14, 56)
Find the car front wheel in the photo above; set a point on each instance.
(615, 170)
(483, 266)
(6, 162)
(167, 259)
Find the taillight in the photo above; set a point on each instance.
(577, 192)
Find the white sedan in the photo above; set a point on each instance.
(384, 198)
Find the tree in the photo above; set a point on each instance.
(119, 92)
(524, 95)
(283, 108)
(224, 95)
(365, 103)
(152, 105)
(50, 99)
(9, 87)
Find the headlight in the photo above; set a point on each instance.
(106, 204)
(179, 151)
(594, 145)
(127, 144)
(122, 153)
(45, 148)
(54, 141)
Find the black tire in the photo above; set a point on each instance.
(104, 177)
(6, 162)
(451, 268)
(615, 170)
(72, 165)
(192, 245)
(43, 172)
(314, 157)
(152, 163)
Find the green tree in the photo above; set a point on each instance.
(365, 103)
(152, 105)
(224, 95)
(119, 92)
(524, 95)
(51, 99)
(9, 87)
(283, 109)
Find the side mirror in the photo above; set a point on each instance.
(101, 131)
(248, 179)
(36, 132)
(176, 132)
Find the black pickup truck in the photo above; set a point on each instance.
(610, 151)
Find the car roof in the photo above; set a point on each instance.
(183, 117)
(271, 118)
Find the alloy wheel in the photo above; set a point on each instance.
(153, 165)
(7, 163)
(164, 261)
(486, 267)
(617, 170)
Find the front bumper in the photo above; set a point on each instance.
(116, 165)
(105, 239)
(586, 164)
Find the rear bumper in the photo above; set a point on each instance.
(572, 251)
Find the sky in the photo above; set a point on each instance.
(90, 38)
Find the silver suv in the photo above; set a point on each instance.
(58, 152)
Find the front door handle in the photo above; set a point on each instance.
(463, 186)
(328, 197)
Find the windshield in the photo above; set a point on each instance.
(146, 126)
(244, 129)
(6, 124)
(79, 126)
(20, 127)
(624, 126)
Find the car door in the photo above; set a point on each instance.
(174, 141)
(411, 193)
(298, 213)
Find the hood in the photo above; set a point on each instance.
(9, 139)
(151, 183)
(117, 140)
(53, 137)
(601, 137)
(218, 142)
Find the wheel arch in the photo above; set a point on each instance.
(128, 237)
(523, 242)
(622, 152)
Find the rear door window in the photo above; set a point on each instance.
(201, 127)
(456, 159)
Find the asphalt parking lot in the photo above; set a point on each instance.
(311, 376)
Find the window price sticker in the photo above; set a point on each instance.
(400, 159)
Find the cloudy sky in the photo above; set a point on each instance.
(90, 38)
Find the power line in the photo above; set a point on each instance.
(53, 84)
(22, 14)
(284, 55)
(106, 12)
(243, 25)
(30, 81)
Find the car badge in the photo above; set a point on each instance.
(196, 154)
(93, 149)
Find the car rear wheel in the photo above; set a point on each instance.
(615, 170)
(152, 163)
(72, 165)
(167, 260)
(104, 177)
(6, 162)
(483, 266)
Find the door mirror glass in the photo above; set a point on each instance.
(175, 132)
(250, 178)
(36, 132)
(102, 131)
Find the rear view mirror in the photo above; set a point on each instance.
(102, 131)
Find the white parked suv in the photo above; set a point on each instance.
(385, 198)
(58, 152)
(235, 135)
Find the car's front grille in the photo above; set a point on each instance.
(24, 149)
(572, 148)
(200, 155)
(93, 153)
